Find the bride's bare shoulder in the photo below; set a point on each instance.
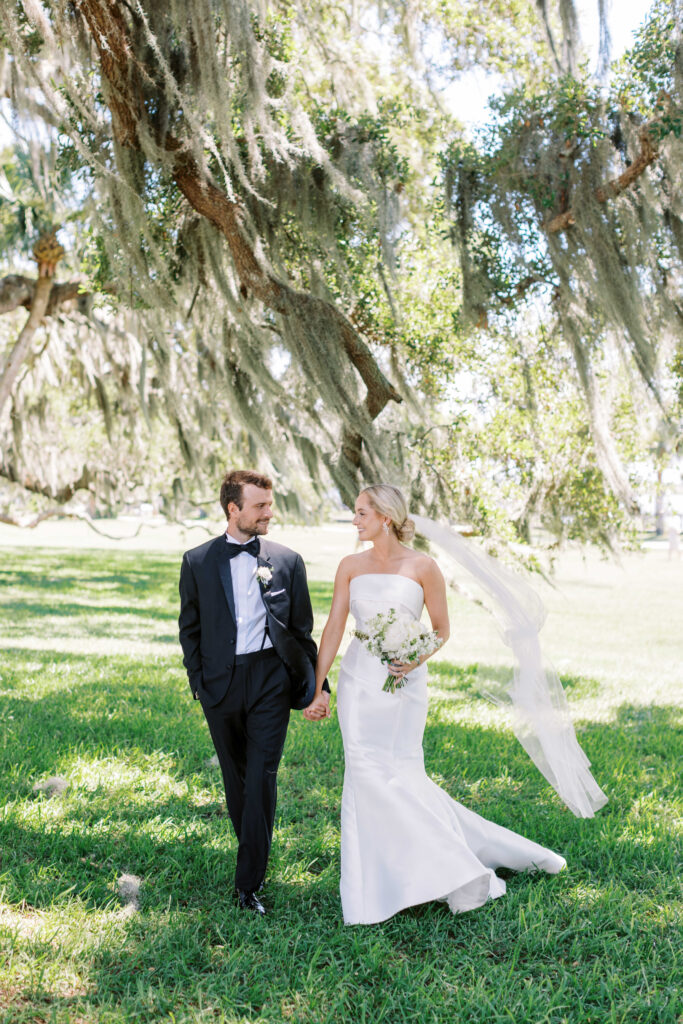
(350, 565)
(425, 567)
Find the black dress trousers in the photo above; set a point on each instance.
(248, 729)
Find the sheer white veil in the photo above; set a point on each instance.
(534, 693)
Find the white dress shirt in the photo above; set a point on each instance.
(250, 611)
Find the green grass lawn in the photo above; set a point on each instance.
(92, 689)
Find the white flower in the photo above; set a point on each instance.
(397, 637)
(414, 629)
(264, 575)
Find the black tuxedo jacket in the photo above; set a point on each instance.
(208, 629)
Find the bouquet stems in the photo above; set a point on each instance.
(393, 683)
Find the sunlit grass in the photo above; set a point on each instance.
(600, 942)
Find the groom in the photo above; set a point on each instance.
(245, 629)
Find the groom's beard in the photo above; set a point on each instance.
(252, 527)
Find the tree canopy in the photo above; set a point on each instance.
(284, 249)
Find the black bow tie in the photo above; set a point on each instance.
(252, 547)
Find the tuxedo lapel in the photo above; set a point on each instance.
(264, 560)
(226, 576)
(264, 557)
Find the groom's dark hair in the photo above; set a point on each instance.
(234, 481)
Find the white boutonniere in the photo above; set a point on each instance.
(264, 575)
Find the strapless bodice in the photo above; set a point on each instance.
(376, 592)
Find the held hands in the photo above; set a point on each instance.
(319, 708)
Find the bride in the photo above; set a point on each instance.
(404, 841)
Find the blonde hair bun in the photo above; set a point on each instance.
(406, 532)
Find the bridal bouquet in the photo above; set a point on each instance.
(397, 636)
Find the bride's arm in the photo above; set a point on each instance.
(434, 587)
(332, 634)
(334, 627)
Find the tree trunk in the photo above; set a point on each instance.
(17, 290)
(10, 370)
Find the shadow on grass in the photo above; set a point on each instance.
(127, 573)
(87, 622)
(19, 610)
(71, 597)
(67, 595)
(143, 800)
(473, 680)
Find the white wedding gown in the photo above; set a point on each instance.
(403, 839)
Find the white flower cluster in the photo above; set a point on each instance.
(397, 637)
(264, 575)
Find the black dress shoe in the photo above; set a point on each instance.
(236, 891)
(250, 901)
